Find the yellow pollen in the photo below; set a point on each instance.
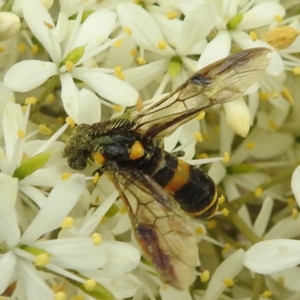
(287, 95)
(296, 70)
(205, 276)
(50, 98)
(275, 94)
(226, 248)
(119, 72)
(117, 108)
(226, 158)
(96, 238)
(162, 45)
(90, 284)
(137, 151)
(199, 230)
(258, 192)
(34, 49)
(202, 155)
(141, 61)
(50, 26)
(69, 65)
(21, 134)
(221, 199)
(24, 107)
(139, 104)
(67, 223)
(42, 260)
(171, 15)
(228, 282)
(70, 121)
(278, 18)
(60, 296)
(65, 176)
(267, 294)
(96, 177)
(290, 201)
(295, 213)
(198, 137)
(123, 210)
(264, 96)
(77, 297)
(43, 129)
(250, 145)
(22, 47)
(225, 212)
(253, 36)
(118, 43)
(272, 125)
(201, 115)
(30, 100)
(133, 52)
(2, 49)
(127, 30)
(98, 158)
(211, 224)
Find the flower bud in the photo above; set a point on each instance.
(9, 25)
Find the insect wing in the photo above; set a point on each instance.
(163, 232)
(220, 82)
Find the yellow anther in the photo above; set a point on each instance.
(278, 18)
(42, 260)
(198, 137)
(50, 26)
(296, 70)
(228, 282)
(118, 43)
(226, 248)
(70, 121)
(250, 145)
(96, 238)
(295, 213)
(67, 223)
(226, 158)
(69, 65)
(34, 49)
(60, 296)
(90, 284)
(65, 176)
(96, 177)
(137, 150)
(21, 47)
(290, 201)
(258, 192)
(133, 52)
(211, 224)
(221, 199)
(205, 276)
(225, 212)
(127, 30)
(171, 15)
(123, 210)
(253, 36)
(272, 125)
(202, 156)
(264, 96)
(141, 61)
(98, 158)
(162, 45)
(43, 129)
(119, 72)
(21, 134)
(117, 108)
(2, 49)
(30, 100)
(199, 230)
(50, 98)
(267, 294)
(275, 94)
(201, 115)
(287, 95)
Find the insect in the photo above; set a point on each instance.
(160, 190)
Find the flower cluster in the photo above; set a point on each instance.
(66, 234)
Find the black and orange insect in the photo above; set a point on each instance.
(159, 189)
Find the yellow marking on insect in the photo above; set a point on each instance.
(70, 121)
(43, 129)
(253, 36)
(50, 26)
(285, 93)
(296, 70)
(201, 115)
(205, 276)
(211, 224)
(34, 49)
(266, 294)
(278, 18)
(172, 15)
(290, 201)
(258, 192)
(226, 158)
(198, 137)
(221, 199)
(226, 248)
(136, 151)
(21, 134)
(67, 223)
(225, 212)
(50, 98)
(295, 213)
(180, 177)
(42, 260)
(60, 296)
(90, 284)
(118, 43)
(98, 158)
(69, 65)
(264, 96)
(119, 72)
(127, 30)
(213, 202)
(250, 145)
(162, 45)
(65, 176)
(272, 125)
(96, 238)
(133, 52)
(228, 282)
(96, 177)
(141, 61)
(30, 100)
(21, 47)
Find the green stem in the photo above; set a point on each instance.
(258, 286)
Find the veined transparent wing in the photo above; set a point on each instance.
(221, 82)
(164, 233)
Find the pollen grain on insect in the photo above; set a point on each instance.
(136, 151)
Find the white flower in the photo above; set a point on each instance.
(9, 25)
(71, 44)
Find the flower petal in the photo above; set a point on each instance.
(29, 74)
(8, 263)
(295, 184)
(271, 256)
